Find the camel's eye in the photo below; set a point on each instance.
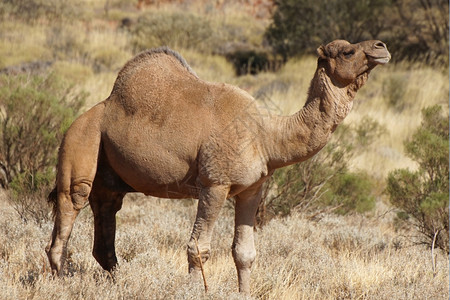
(349, 53)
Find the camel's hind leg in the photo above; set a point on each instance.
(68, 205)
(105, 204)
(77, 165)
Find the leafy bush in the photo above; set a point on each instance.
(324, 182)
(35, 113)
(367, 131)
(349, 192)
(250, 61)
(423, 195)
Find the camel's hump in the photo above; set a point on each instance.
(150, 53)
(158, 63)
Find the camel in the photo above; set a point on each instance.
(165, 132)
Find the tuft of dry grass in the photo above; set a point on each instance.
(333, 258)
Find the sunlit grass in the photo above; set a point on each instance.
(22, 43)
(334, 257)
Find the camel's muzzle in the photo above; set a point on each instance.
(378, 53)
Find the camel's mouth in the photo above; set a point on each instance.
(380, 60)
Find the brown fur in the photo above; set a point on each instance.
(165, 132)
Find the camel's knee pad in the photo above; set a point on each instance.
(79, 193)
(243, 256)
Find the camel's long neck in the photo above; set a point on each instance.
(300, 136)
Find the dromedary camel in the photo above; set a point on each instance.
(165, 132)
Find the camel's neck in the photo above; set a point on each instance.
(300, 136)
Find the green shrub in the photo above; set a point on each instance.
(350, 191)
(35, 113)
(249, 62)
(423, 195)
(367, 130)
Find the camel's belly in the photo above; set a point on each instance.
(151, 168)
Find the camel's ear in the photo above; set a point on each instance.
(322, 52)
(324, 55)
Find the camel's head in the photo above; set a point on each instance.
(344, 62)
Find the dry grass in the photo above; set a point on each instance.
(333, 258)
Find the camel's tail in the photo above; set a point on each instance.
(52, 198)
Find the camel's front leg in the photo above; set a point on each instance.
(210, 202)
(243, 248)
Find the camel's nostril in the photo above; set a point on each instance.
(379, 45)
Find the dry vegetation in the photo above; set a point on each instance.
(327, 257)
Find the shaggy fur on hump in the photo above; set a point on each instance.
(165, 50)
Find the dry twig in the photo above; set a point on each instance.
(433, 256)
(201, 266)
